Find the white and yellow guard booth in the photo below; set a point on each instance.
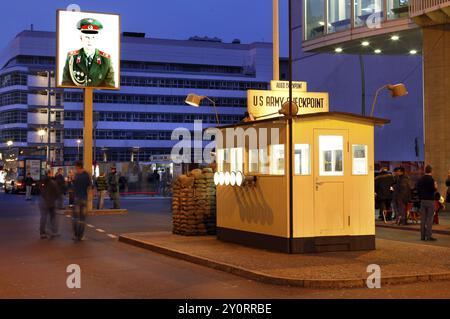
(330, 206)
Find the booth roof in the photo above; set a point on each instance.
(339, 115)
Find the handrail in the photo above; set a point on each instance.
(418, 7)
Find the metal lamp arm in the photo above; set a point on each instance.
(376, 97)
(215, 109)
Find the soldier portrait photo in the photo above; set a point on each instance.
(90, 64)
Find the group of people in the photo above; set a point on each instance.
(54, 187)
(160, 181)
(394, 191)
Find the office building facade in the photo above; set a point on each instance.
(137, 121)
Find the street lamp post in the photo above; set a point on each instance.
(195, 100)
(397, 90)
(78, 149)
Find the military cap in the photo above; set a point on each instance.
(89, 25)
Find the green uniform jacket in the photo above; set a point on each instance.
(77, 71)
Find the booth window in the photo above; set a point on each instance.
(331, 149)
(236, 159)
(220, 159)
(302, 159)
(253, 161)
(263, 161)
(360, 162)
(277, 159)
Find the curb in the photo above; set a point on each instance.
(435, 231)
(101, 212)
(277, 280)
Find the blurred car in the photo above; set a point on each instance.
(14, 185)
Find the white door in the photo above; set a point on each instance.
(330, 162)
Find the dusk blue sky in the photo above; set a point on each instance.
(248, 20)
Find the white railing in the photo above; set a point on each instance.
(418, 7)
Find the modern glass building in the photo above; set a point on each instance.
(137, 121)
(379, 42)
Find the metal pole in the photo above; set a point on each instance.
(290, 137)
(276, 42)
(49, 101)
(363, 86)
(376, 97)
(87, 138)
(215, 109)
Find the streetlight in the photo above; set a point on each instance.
(9, 143)
(195, 100)
(78, 149)
(397, 90)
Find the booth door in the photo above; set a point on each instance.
(330, 158)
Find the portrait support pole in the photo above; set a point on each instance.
(87, 139)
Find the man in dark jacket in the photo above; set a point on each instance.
(49, 194)
(61, 182)
(28, 186)
(383, 191)
(426, 187)
(113, 187)
(402, 194)
(81, 185)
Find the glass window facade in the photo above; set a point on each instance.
(397, 9)
(336, 15)
(368, 12)
(339, 15)
(314, 18)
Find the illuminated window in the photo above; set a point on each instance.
(331, 160)
(220, 159)
(359, 159)
(253, 161)
(263, 161)
(237, 159)
(302, 159)
(226, 160)
(277, 159)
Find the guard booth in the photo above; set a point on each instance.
(329, 206)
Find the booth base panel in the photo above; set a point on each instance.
(299, 245)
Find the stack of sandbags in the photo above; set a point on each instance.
(194, 203)
(183, 204)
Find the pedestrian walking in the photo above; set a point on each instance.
(113, 187)
(61, 182)
(28, 186)
(156, 180)
(102, 188)
(402, 194)
(383, 192)
(82, 183)
(70, 188)
(49, 194)
(426, 187)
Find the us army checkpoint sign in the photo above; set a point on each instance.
(266, 104)
(88, 50)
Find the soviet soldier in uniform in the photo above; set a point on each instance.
(88, 66)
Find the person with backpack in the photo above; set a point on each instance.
(49, 194)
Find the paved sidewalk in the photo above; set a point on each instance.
(443, 228)
(400, 262)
